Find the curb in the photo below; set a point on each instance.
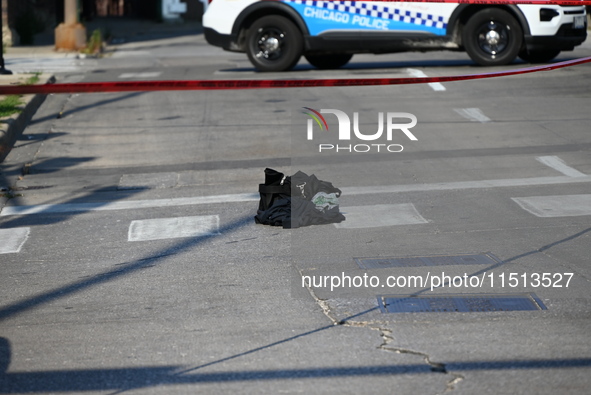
(12, 127)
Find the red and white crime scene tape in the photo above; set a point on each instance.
(195, 85)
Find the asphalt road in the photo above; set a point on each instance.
(131, 262)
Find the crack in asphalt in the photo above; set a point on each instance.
(387, 339)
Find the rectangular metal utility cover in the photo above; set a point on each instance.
(436, 260)
(461, 303)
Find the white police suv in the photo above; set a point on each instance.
(276, 33)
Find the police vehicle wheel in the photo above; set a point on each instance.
(274, 43)
(326, 62)
(541, 56)
(492, 37)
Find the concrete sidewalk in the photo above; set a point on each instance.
(11, 127)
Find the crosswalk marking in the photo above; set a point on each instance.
(473, 114)
(12, 240)
(251, 197)
(358, 217)
(170, 228)
(131, 54)
(460, 185)
(152, 74)
(558, 164)
(556, 206)
(570, 176)
(126, 205)
(436, 86)
(48, 64)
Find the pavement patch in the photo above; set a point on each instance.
(556, 206)
(380, 215)
(171, 228)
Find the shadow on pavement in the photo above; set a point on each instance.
(83, 205)
(124, 269)
(87, 107)
(125, 379)
(28, 139)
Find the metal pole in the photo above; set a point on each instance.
(3, 70)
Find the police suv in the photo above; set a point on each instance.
(276, 33)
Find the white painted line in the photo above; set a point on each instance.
(436, 86)
(558, 164)
(12, 240)
(151, 74)
(251, 197)
(556, 206)
(126, 205)
(172, 228)
(131, 54)
(473, 114)
(358, 217)
(449, 186)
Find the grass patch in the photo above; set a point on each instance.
(10, 195)
(32, 79)
(94, 45)
(11, 104)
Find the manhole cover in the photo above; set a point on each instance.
(461, 303)
(437, 260)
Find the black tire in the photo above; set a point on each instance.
(541, 56)
(492, 37)
(326, 62)
(274, 43)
